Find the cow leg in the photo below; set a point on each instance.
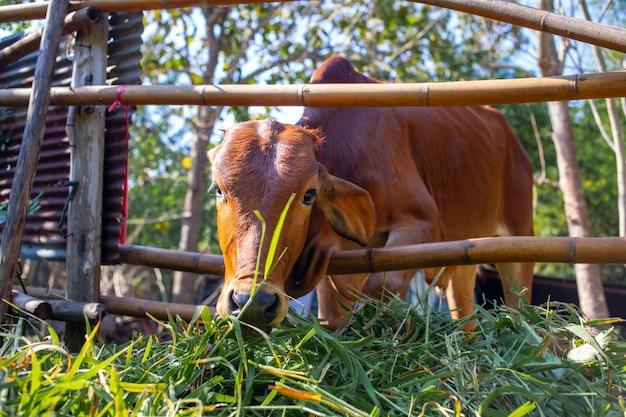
(329, 301)
(336, 295)
(515, 278)
(461, 282)
(397, 282)
(383, 284)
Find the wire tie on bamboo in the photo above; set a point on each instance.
(467, 246)
(203, 93)
(300, 94)
(542, 22)
(571, 252)
(118, 102)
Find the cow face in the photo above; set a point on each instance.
(263, 167)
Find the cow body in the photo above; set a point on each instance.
(381, 177)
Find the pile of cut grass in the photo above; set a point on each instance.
(392, 361)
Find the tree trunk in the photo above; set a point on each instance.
(588, 279)
(184, 288)
(616, 135)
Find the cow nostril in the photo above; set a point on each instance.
(261, 310)
(265, 303)
(272, 308)
(238, 300)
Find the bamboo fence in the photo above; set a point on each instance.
(456, 93)
(471, 251)
(465, 252)
(592, 250)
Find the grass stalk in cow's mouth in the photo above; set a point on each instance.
(271, 252)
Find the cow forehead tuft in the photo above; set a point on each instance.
(269, 134)
(265, 152)
(270, 130)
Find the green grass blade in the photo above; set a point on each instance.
(276, 235)
(258, 257)
(524, 409)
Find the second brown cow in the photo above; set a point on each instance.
(364, 177)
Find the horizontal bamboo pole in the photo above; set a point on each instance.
(129, 306)
(76, 312)
(483, 251)
(592, 250)
(506, 11)
(456, 93)
(172, 259)
(39, 308)
(74, 21)
(137, 307)
(200, 263)
(569, 27)
(31, 11)
(57, 307)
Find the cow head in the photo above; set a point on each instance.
(260, 167)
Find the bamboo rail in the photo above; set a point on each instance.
(58, 308)
(38, 308)
(455, 93)
(129, 306)
(74, 21)
(591, 250)
(583, 30)
(31, 11)
(594, 33)
(201, 263)
(137, 307)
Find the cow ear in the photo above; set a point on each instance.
(347, 207)
(212, 152)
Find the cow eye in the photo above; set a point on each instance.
(309, 196)
(215, 188)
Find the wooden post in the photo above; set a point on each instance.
(85, 130)
(10, 248)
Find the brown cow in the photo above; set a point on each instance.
(380, 177)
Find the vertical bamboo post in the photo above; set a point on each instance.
(10, 248)
(85, 130)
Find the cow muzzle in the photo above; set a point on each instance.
(262, 306)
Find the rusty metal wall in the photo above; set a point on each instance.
(45, 230)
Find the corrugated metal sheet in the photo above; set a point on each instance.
(46, 229)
